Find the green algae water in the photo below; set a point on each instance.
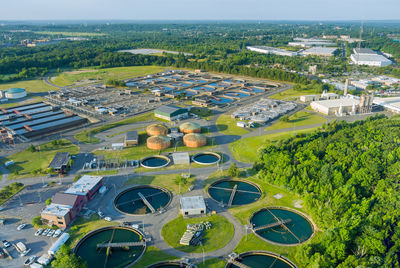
(246, 192)
(129, 201)
(261, 261)
(119, 257)
(298, 230)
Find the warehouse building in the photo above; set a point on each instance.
(320, 51)
(193, 206)
(171, 112)
(86, 186)
(272, 50)
(131, 138)
(366, 56)
(336, 106)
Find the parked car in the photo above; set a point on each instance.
(101, 214)
(6, 244)
(45, 232)
(108, 219)
(2, 254)
(51, 232)
(24, 253)
(39, 232)
(30, 260)
(21, 226)
(57, 233)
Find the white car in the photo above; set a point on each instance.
(45, 232)
(39, 232)
(57, 233)
(30, 260)
(21, 226)
(108, 219)
(6, 244)
(25, 252)
(51, 232)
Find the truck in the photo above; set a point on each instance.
(56, 246)
(21, 247)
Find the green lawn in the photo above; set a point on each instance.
(216, 237)
(292, 94)
(35, 85)
(88, 75)
(211, 263)
(153, 255)
(204, 113)
(26, 161)
(246, 150)
(166, 181)
(86, 136)
(227, 125)
(102, 172)
(83, 226)
(10, 190)
(299, 119)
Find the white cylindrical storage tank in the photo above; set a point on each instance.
(14, 93)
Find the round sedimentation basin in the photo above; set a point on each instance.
(246, 192)
(155, 161)
(120, 256)
(206, 158)
(130, 201)
(170, 264)
(261, 259)
(282, 226)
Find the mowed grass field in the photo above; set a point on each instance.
(299, 119)
(34, 85)
(227, 125)
(26, 161)
(217, 237)
(24, 101)
(292, 94)
(246, 150)
(88, 75)
(166, 181)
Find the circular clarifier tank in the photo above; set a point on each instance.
(206, 158)
(143, 199)
(155, 161)
(238, 192)
(260, 259)
(281, 226)
(127, 247)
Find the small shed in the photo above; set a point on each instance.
(60, 162)
(131, 138)
(117, 146)
(181, 158)
(193, 206)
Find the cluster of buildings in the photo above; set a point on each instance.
(66, 206)
(366, 56)
(263, 110)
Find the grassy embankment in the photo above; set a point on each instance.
(216, 237)
(26, 162)
(227, 125)
(299, 119)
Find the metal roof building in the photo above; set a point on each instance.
(60, 162)
(320, 51)
(131, 138)
(193, 206)
(86, 185)
(170, 112)
(181, 158)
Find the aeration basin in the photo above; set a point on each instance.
(206, 158)
(282, 226)
(111, 247)
(260, 259)
(234, 192)
(155, 161)
(142, 199)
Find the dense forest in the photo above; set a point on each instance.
(348, 175)
(214, 47)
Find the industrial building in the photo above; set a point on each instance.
(36, 119)
(310, 42)
(320, 51)
(366, 56)
(86, 186)
(348, 105)
(171, 112)
(193, 206)
(131, 138)
(60, 162)
(392, 104)
(324, 96)
(181, 158)
(13, 93)
(272, 50)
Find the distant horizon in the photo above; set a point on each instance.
(219, 10)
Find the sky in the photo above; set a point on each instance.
(199, 10)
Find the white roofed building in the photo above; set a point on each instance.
(86, 185)
(366, 56)
(193, 206)
(320, 51)
(336, 106)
